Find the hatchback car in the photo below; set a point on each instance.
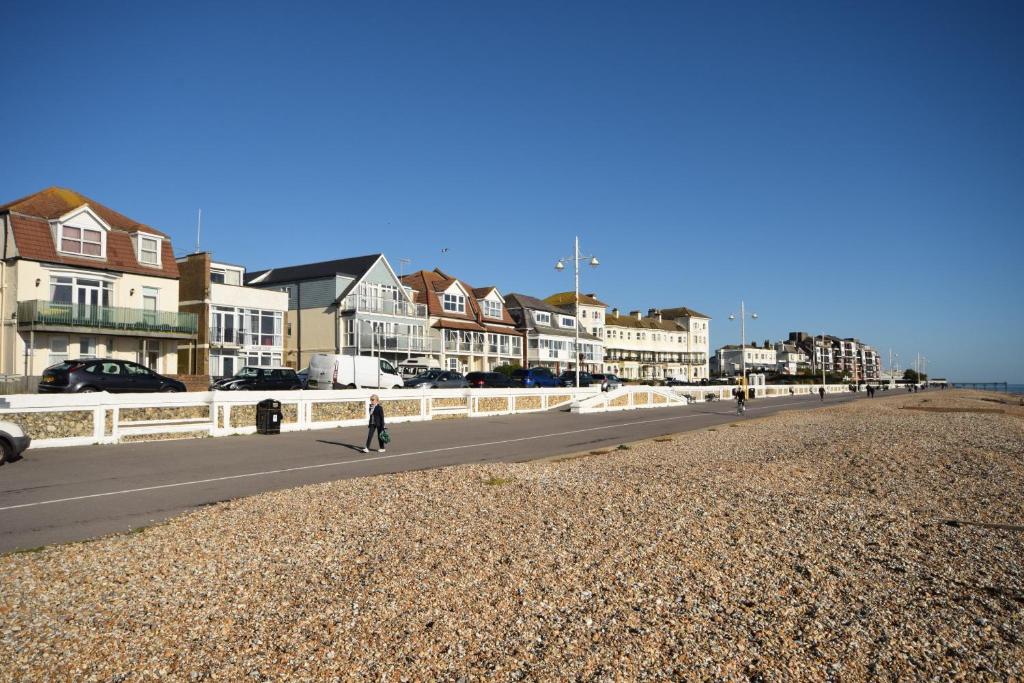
(252, 378)
(495, 380)
(104, 374)
(568, 379)
(437, 379)
(534, 377)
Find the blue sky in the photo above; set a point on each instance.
(856, 168)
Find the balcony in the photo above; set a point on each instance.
(49, 316)
(400, 343)
(222, 336)
(370, 304)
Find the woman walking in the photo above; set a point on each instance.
(376, 424)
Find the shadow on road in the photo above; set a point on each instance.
(338, 443)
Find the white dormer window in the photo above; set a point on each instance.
(147, 248)
(568, 322)
(455, 303)
(542, 318)
(81, 232)
(84, 241)
(492, 309)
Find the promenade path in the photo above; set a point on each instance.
(59, 495)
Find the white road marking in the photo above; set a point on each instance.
(379, 457)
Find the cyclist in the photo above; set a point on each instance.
(740, 401)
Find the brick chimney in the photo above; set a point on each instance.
(636, 314)
(654, 313)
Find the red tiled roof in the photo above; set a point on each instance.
(30, 217)
(428, 286)
(54, 202)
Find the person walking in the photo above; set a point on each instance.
(740, 401)
(821, 393)
(376, 424)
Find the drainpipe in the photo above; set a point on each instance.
(298, 324)
(3, 299)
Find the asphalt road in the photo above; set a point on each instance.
(58, 495)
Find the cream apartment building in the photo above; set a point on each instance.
(666, 343)
(80, 280)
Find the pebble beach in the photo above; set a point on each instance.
(881, 538)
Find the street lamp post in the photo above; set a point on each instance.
(560, 266)
(743, 337)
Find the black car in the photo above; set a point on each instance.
(568, 379)
(494, 380)
(260, 379)
(437, 379)
(104, 374)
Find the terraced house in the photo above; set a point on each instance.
(81, 280)
(473, 325)
(551, 335)
(355, 306)
(672, 342)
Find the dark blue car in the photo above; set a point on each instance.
(534, 377)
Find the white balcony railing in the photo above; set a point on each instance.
(370, 304)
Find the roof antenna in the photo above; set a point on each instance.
(401, 266)
(199, 229)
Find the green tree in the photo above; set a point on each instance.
(914, 376)
(507, 370)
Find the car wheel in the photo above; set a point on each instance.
(6, 452)
(168, 390)
(87, 390)
(350, 386)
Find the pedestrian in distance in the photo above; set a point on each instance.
(376, 424)
(821, 393)
(740, 401)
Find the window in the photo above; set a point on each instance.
(455, 303)
(149, 250)
(568, 322)
(492, 309)
(58, 350)
(66, 289)
(86, 347)
(542, 318)
(81, 241)
(149, 297)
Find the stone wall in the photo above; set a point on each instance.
(456, 402)
(658, 398)
(407, 407)
(53, 425)
(560, 398)
(528, 403)
(164, 413)
(620, 401)
(332, 411)
(640, 399)
(164, 436)
(245, 415)
(492, 404)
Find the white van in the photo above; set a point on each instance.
(337, 371)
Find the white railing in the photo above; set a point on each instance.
(371, 304)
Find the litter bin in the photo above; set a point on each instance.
(268, 417)
(750, 392)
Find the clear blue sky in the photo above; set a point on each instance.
(856, 168)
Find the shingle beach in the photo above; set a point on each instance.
(863, 540)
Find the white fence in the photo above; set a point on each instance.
(101, 418)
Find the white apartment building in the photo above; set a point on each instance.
(657, 347)
(730, 359)
(240, 325)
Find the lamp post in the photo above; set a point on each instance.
(743, 337)
(560, 266)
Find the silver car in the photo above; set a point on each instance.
(13, 441)
(437, 379)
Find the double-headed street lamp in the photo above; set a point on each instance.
(743, 336)
(560, 266)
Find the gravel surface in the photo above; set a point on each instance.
(845, 543)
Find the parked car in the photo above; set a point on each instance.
(13, 441)
(255, 378)
(104, 374)
(413, 367)
(613, 380)
(534, 377)
(339, 371)
(568, 379)
(303, 376)
(489, 380)
(437, 379)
